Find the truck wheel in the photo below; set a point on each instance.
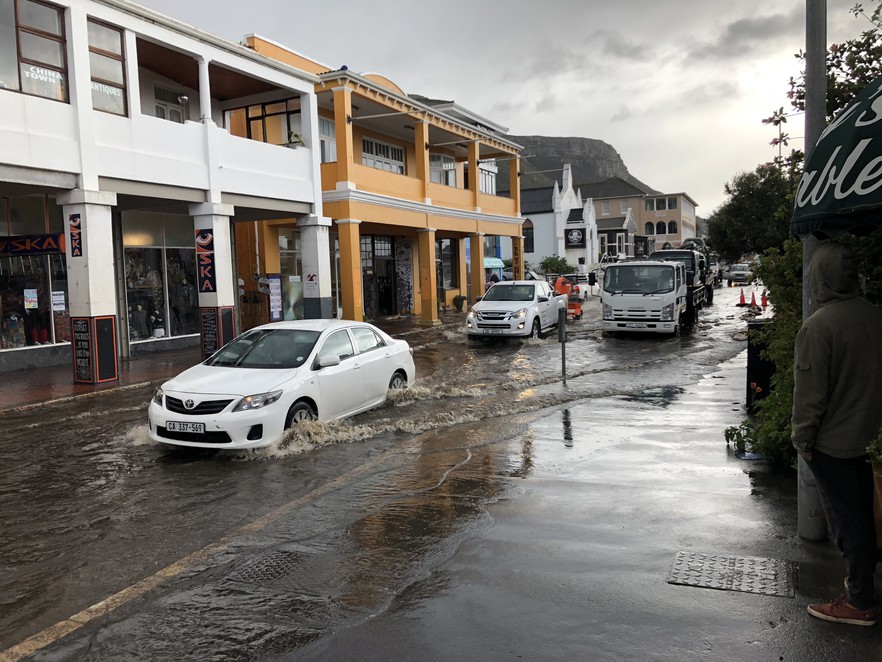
(676, 333)
(536, 329)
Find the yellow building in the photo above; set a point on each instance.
(409, 185)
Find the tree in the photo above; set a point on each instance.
(555, 265)
(754, 217)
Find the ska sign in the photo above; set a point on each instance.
(576, 238)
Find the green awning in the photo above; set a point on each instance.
(493, 263)
(841, 186)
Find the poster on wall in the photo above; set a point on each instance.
(576, 238)
(311, 286)
(58, 301)
(205, 261)
(275, 297)
(30, 299)
(76, 235)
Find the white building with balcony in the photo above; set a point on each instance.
(121, 183)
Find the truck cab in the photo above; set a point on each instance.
(648, 296)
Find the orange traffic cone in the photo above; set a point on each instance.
(753, 299)
(741, 301)
(764, 299)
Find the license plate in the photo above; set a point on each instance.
(492, 330)
(636, 325)
(176, 426)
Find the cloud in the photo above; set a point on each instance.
(749, 36)
(623, 114)
(613, 44)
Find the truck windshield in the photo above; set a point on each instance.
(638, 279)
(506, 292)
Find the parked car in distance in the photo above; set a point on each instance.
(515, 308)
(508, 274)
(739, 274)
(266, 380)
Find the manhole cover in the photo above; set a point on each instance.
(734, 573)
(267, 568)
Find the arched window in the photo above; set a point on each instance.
(672, 227)
(660, 228)
(527, 228)
(649, 229)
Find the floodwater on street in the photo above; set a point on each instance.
(269, 550)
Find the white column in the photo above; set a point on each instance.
(214, 254)
(315, 244)
(204, 92)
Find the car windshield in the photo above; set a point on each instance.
(505, 292)
(639, 279)
(266, 348)
(739, 267)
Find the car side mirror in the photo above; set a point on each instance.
(477, 299)
(592, 279)
(542, 299)
(327, 361)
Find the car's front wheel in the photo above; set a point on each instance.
(536, 329)
(300, 411)
(398, 381)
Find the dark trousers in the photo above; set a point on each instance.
(846, 490)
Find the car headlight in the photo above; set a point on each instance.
(471, 314)
(521, 314)
(258, 401)
(157, 396)
(607, 312)
(667, 313)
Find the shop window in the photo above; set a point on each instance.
(291, 267)
(107, 65)
(42, 47)
(160, 274)
(446, 250)
(33, 277)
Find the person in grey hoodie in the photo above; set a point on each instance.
(837, 412)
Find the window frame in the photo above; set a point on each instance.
(396, 167)
(121, 58)
(60, 39)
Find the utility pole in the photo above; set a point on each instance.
(811, 522)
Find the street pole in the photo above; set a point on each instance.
(811, 522)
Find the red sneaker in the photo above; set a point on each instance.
(839, 611)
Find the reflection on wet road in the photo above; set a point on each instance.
(336, 524)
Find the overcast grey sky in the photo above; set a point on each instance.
(677, 87)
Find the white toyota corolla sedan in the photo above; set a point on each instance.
(261, 383)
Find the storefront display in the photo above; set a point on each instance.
(33, 274)
(160, 272)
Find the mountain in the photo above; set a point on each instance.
(591, 160)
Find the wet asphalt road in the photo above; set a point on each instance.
(490, 513)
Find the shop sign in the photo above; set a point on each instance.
(205, 261)
(576, 238)
(30, 299)
(33, 244)
(58, 304)
(275, 297)
(76, 235)
(311, 286)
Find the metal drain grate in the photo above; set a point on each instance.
(267, 569)
(734, 573)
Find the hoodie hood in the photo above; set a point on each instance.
(834, 274)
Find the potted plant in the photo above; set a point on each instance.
(458, 301)
(295, 140)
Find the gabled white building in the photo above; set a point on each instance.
(121, 185)
(558, 223)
